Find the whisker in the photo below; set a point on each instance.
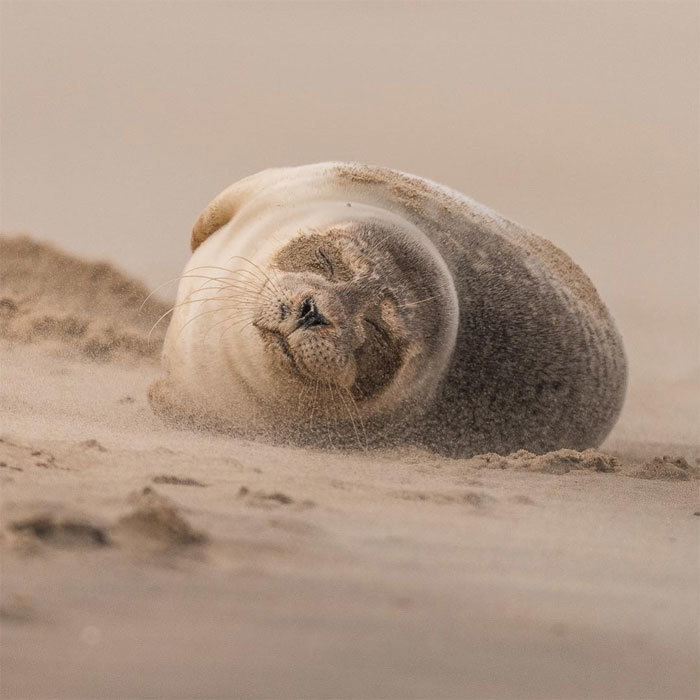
(199, 315)
(307, 386)
(274, 273)
(417, 303)
(209, 311)
(248, 322)
(243, 327)
(313, 406)
(238, 284)
(257, 287)
(187, 300)
(244, 291)
(189, 275)
(336, 421)
(170, 281)
(211, 286)
(377, 244)
(359, 417)
(257, 267)
(228, 270)
(335, 417)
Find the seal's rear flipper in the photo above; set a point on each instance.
(224, 206)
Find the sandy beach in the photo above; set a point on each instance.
(143, 561)
(138, 560)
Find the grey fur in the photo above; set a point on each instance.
(538, 363)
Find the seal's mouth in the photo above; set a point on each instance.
(277, 339)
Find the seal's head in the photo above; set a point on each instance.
(344, 312)
(302, 314)
(328, 314)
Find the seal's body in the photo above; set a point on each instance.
(340, 304)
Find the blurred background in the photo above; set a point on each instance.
(121, 120)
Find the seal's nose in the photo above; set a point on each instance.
(310, 316)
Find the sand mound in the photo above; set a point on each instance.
(558, 462)
(668, 468)
(564, 461)
(52, 298)
(153, 523)
(157, 521)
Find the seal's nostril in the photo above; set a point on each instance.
(307, 308)
(284, 311)
(310, 316)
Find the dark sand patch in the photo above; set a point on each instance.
(94, 445)
(470, 498)
(273, 499)
(18, 457)
(18, 608)
(154, 523)
(56, 527)
(176, 480)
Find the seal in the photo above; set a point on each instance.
(344, 305)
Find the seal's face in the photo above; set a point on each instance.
(305, 316)
(328, 315)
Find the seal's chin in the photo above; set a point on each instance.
(307, 358)
(276, 340)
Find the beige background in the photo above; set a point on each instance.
(120, 120)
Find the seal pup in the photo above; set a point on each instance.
(340, 304)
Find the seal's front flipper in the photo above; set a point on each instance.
(180, 412)
(165, 405)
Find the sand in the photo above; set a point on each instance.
(143, 561)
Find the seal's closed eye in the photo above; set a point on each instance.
(322, 254)
(326, 259)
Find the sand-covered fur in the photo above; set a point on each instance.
(360, 306)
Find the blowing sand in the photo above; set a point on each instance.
(143, 561)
